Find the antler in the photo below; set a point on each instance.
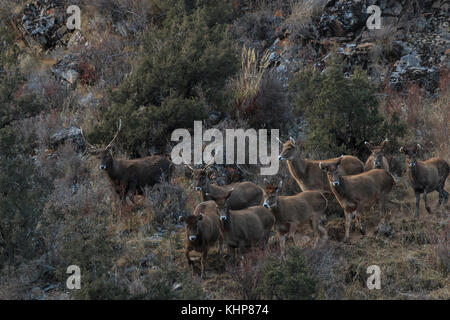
(87, 142)
(209, 164)
(115, 137)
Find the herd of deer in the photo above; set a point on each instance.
(243, 214)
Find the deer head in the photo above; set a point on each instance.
(377, 153)
(104, 153)
(200, 176)
(411, 154)
(271, 193)
(289, 151)
(334, 176)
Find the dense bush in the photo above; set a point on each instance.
(287, 279)
(182, 70)
(342, 112)
(23, 189)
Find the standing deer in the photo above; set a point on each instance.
(131, 176)
(307, 172)
(377, 160)
(291, 212)
(426, 176)
(247, 193)
(359, 192)
(202, 231)
(244, 228)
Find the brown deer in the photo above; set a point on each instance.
(131, 176)
(307, 172)
(359, 192)
(376, 160)
(244, 228)
(291, 212)
(202, 232)
(426, 176)
(247, 193)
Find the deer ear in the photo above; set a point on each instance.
(402, 150)
(280, 185)
(368, 145)
(419, 147)
(385, 141)
(180, 219)
(321, 167)
(340, 160)
(228, 194)
(279, 140)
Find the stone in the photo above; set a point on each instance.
(72, 134)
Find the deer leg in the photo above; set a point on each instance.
(383, 207)
(417, 204)
(190, 263)
(282, 242)
(443, 195)
(220, 244)
(292, 232)
(425, 193)
(203, 261)
(361, 228)
(348, 222)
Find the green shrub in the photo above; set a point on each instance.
(23, 189)
(182, 69)
(287, 279)
(342, 112)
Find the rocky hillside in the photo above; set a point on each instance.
(311, 68)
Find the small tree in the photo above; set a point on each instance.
(182, 70)
(342, 112)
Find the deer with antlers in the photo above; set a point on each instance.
(246, 193)
(129, 177)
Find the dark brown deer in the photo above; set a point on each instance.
(426, 176)
(291, 212)
(377, 160)
(202, 232)
(244, 228)
(129, 177)
(247, 193)
(359, 192)
(307, 172)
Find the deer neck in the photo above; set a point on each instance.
(297, 167)
(341, 188)
(112, 169)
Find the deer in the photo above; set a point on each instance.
(307, 173)
(247, 193)
(376, 160)
(357, 193)
(291, 212)
(426, 176)
(202, 232)
(245, 228)
(129, 177)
